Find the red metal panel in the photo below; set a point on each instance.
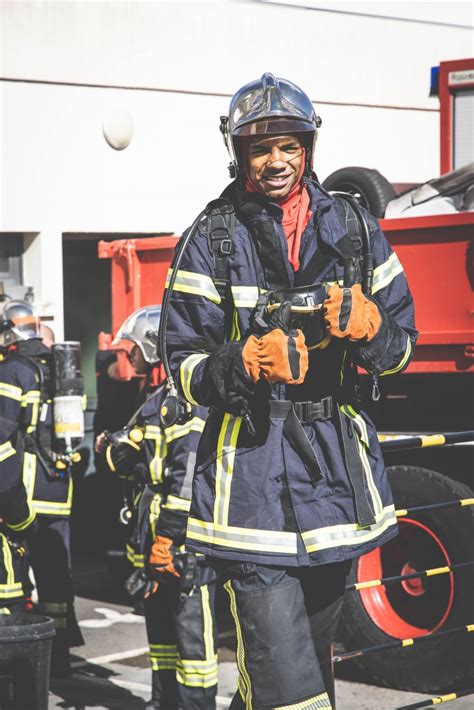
(446, 92)
(139, 269)
(437, 255)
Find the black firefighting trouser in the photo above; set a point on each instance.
(286, 620)
(50, 557)
(183, 643)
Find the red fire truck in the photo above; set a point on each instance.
(431, 229)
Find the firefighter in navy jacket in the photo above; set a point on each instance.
(26, 428)
(179, 587)
(280, 510)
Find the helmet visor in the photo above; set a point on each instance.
(274, 126)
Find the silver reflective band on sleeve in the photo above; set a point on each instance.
(242, 538)
(386, 272)
(176, 503)
(195, 284)
(186, 370)
(342, 535)
(7, 390)
(402, 362)
(245, 296)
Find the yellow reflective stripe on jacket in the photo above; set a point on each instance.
(6, 450)
(402, 362)
(154, 512)
(186, 374)
(48, 507)
(155, 433)
(386, 272)
(349, 534)
(196, 284)
(137, 559)
(176, 503)
(242, 538)
(18, 527)
(31, 397)
(178, 430)
(363, 445)
(11, 589)
(245, 296)
(11, 391)
(226, 447)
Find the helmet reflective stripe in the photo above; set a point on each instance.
(141, 328)
(19, 321)
(270, 106)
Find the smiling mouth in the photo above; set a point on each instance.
(276, 179)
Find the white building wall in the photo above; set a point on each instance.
(368, 76)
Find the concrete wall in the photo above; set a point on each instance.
(181, 61)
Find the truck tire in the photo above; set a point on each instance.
(413, 608)
(368, 186)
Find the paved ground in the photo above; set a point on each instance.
(111, 670)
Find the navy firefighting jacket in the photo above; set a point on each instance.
(23, 409)
(166, 468)
(253, 498)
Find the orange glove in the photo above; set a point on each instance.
(161, 557)
(349, 314)
(250, 357)
(276, 357)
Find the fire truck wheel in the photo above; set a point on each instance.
(368, 186)
(416, 607)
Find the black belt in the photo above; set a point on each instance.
(294, 414)
(306, 412)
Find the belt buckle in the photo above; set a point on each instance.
(326, 403)
(303, 412)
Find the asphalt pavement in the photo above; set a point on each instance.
(111, 670)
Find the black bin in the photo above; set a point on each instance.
(25, 657)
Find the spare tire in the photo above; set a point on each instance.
(368, 186)
(410, 609)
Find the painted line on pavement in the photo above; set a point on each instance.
(132, 653)
(111, 657)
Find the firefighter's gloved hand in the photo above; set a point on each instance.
(277, 357)
(161, 559)
(269, 318)
(349, 314)
(227, 381)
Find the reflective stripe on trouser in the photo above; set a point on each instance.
(182, 643)
(285, 621)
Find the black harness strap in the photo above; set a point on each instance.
(220, 235)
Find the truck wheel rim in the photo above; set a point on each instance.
(413, 607)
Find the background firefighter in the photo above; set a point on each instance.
(290, 483)
(178, 587)
(26, 413)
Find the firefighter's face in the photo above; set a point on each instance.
(275, 164)
(137, 360)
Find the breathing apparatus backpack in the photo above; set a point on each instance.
(61, 387)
